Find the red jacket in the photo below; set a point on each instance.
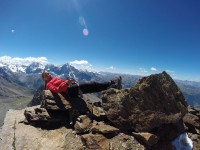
(57, 85)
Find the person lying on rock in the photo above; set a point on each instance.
(70, 89)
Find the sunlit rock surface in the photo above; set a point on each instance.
(18, 136)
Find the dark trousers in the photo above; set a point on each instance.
(84, 88)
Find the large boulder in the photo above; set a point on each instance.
(155, 100)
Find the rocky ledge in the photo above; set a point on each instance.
(149, 115)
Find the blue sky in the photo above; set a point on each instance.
(126, 36)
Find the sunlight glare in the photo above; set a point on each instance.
(85, 32)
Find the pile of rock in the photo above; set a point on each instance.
(192, 126)
(147, 116)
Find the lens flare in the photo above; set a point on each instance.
(85, 32)
(82, 21)
(83, 24)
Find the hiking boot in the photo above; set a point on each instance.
(117, 83)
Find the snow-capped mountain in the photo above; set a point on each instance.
(38, 67)
(29, 75)
(17, 68)
(35, 67)
(14, 67)
(19, 65)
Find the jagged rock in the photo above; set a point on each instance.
(98, 111)
(53, 101)
(37, 114)
(119, 142)
(94, 141)
(42, 117)
(196, 140)
(154, 101)
(125, 142)
(95, 108)
(146, 138)
(192, 122)
(194, 111)
(83, 124)
(192, 118)
(102, 128)
(57, 109)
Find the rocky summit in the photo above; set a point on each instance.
(149, 115)
(155, 100)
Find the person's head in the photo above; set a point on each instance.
(46, 75)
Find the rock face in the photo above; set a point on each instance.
(154, 101)
(192, 125)
(18, 136)
(148, 116)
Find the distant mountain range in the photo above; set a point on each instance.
(19, 81)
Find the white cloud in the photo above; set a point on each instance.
(24, 61)
(12, 31)
(82, 64)
(79, 62)
(153, 69)
(112, 68)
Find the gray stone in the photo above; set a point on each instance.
(146, 138)
(102, 128)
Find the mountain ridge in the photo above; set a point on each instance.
(26, 83)
(31, 77)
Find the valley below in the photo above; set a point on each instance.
(17, 103)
